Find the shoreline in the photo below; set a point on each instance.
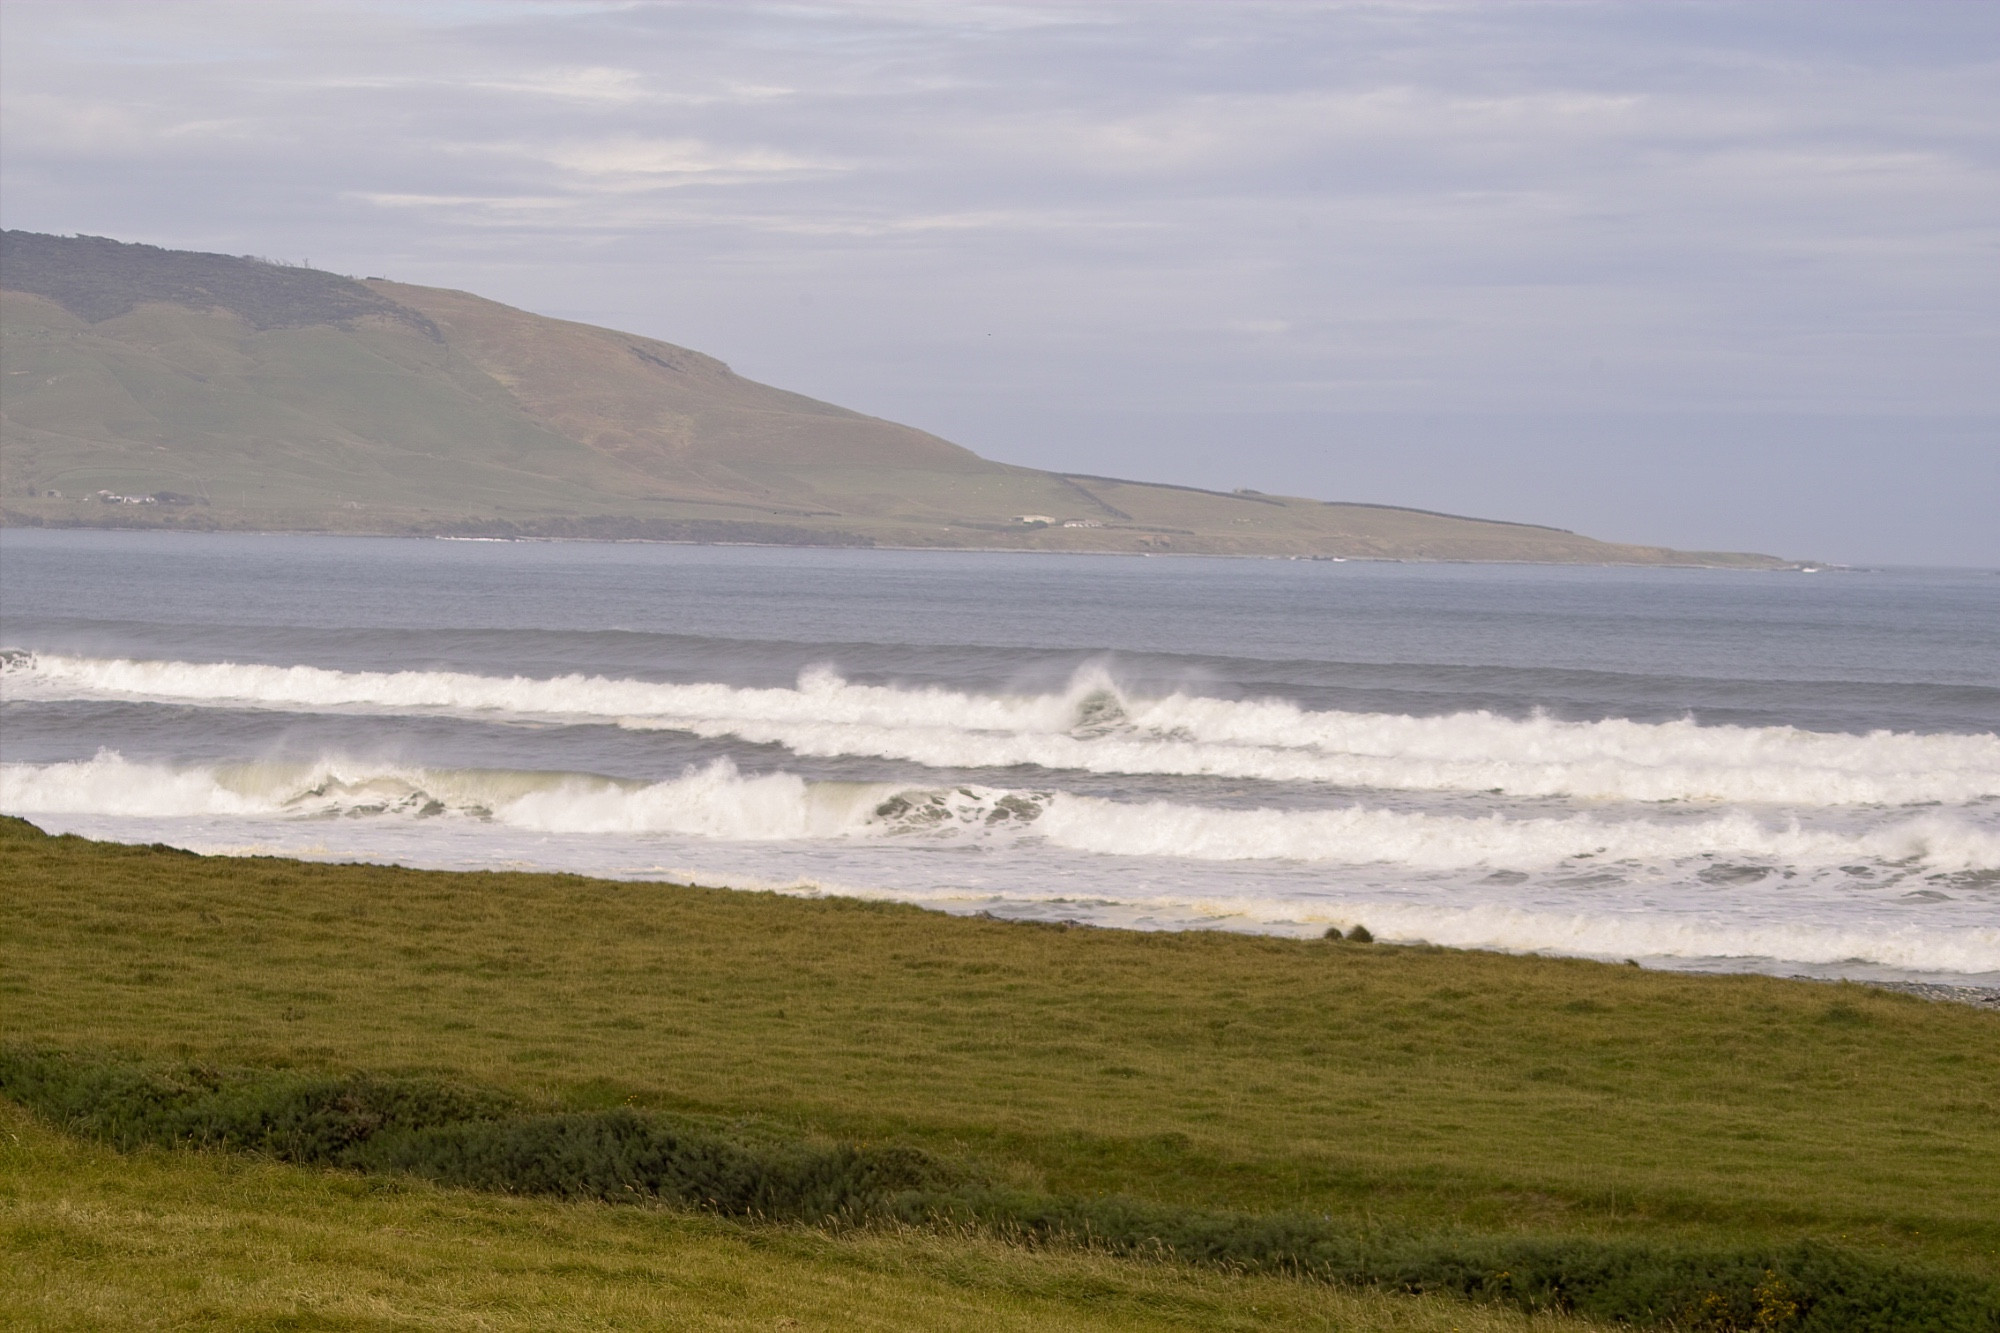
(1766, 565)
(1978, 996)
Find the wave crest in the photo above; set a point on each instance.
(719, 802)
(1095, 726)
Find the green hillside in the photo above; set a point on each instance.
(151, 387)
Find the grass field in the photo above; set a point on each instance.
(1426, 1091)
(92, 1239)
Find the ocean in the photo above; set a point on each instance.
(1708, 769)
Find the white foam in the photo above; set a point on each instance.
(711, 802)
(1093, 726)
(1662, 934)
(1713, 937)
(718, 802)
(113, 785)
(1362, 836)
(1587, 884)
(1780, 925)
(110, 785)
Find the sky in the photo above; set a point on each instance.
(1713, 275)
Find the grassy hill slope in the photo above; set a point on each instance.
(144, 386)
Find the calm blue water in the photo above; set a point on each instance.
(1692, 767)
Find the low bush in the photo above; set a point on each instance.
(479, 1139)
(472, 1138)
(620, 1155)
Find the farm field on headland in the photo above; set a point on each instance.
(1404, 1091)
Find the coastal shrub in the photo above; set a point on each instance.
(471, 1138)
(1810, 1287)
(479, 1139)
(296, 1117)
(1361, 935)
(619, 1155)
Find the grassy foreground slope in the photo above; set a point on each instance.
(95, 1239)
(1415, 1088)
(242, 394)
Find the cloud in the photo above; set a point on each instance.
(501, 203)
(630, 161)
(588, 83)
(91, 127)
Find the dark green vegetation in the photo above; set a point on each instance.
(1606, 1137)
(483, 1140)
(469, 1137)
(94, 1238)
(151, 387)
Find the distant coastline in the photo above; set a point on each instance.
(173, 390)
(1723, 561)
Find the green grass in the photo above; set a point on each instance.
(94, 1239)
(481, 1139)
(1426, 1092)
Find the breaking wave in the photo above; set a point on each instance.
(1687, 883)
(718, 802)
(1095, 726)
